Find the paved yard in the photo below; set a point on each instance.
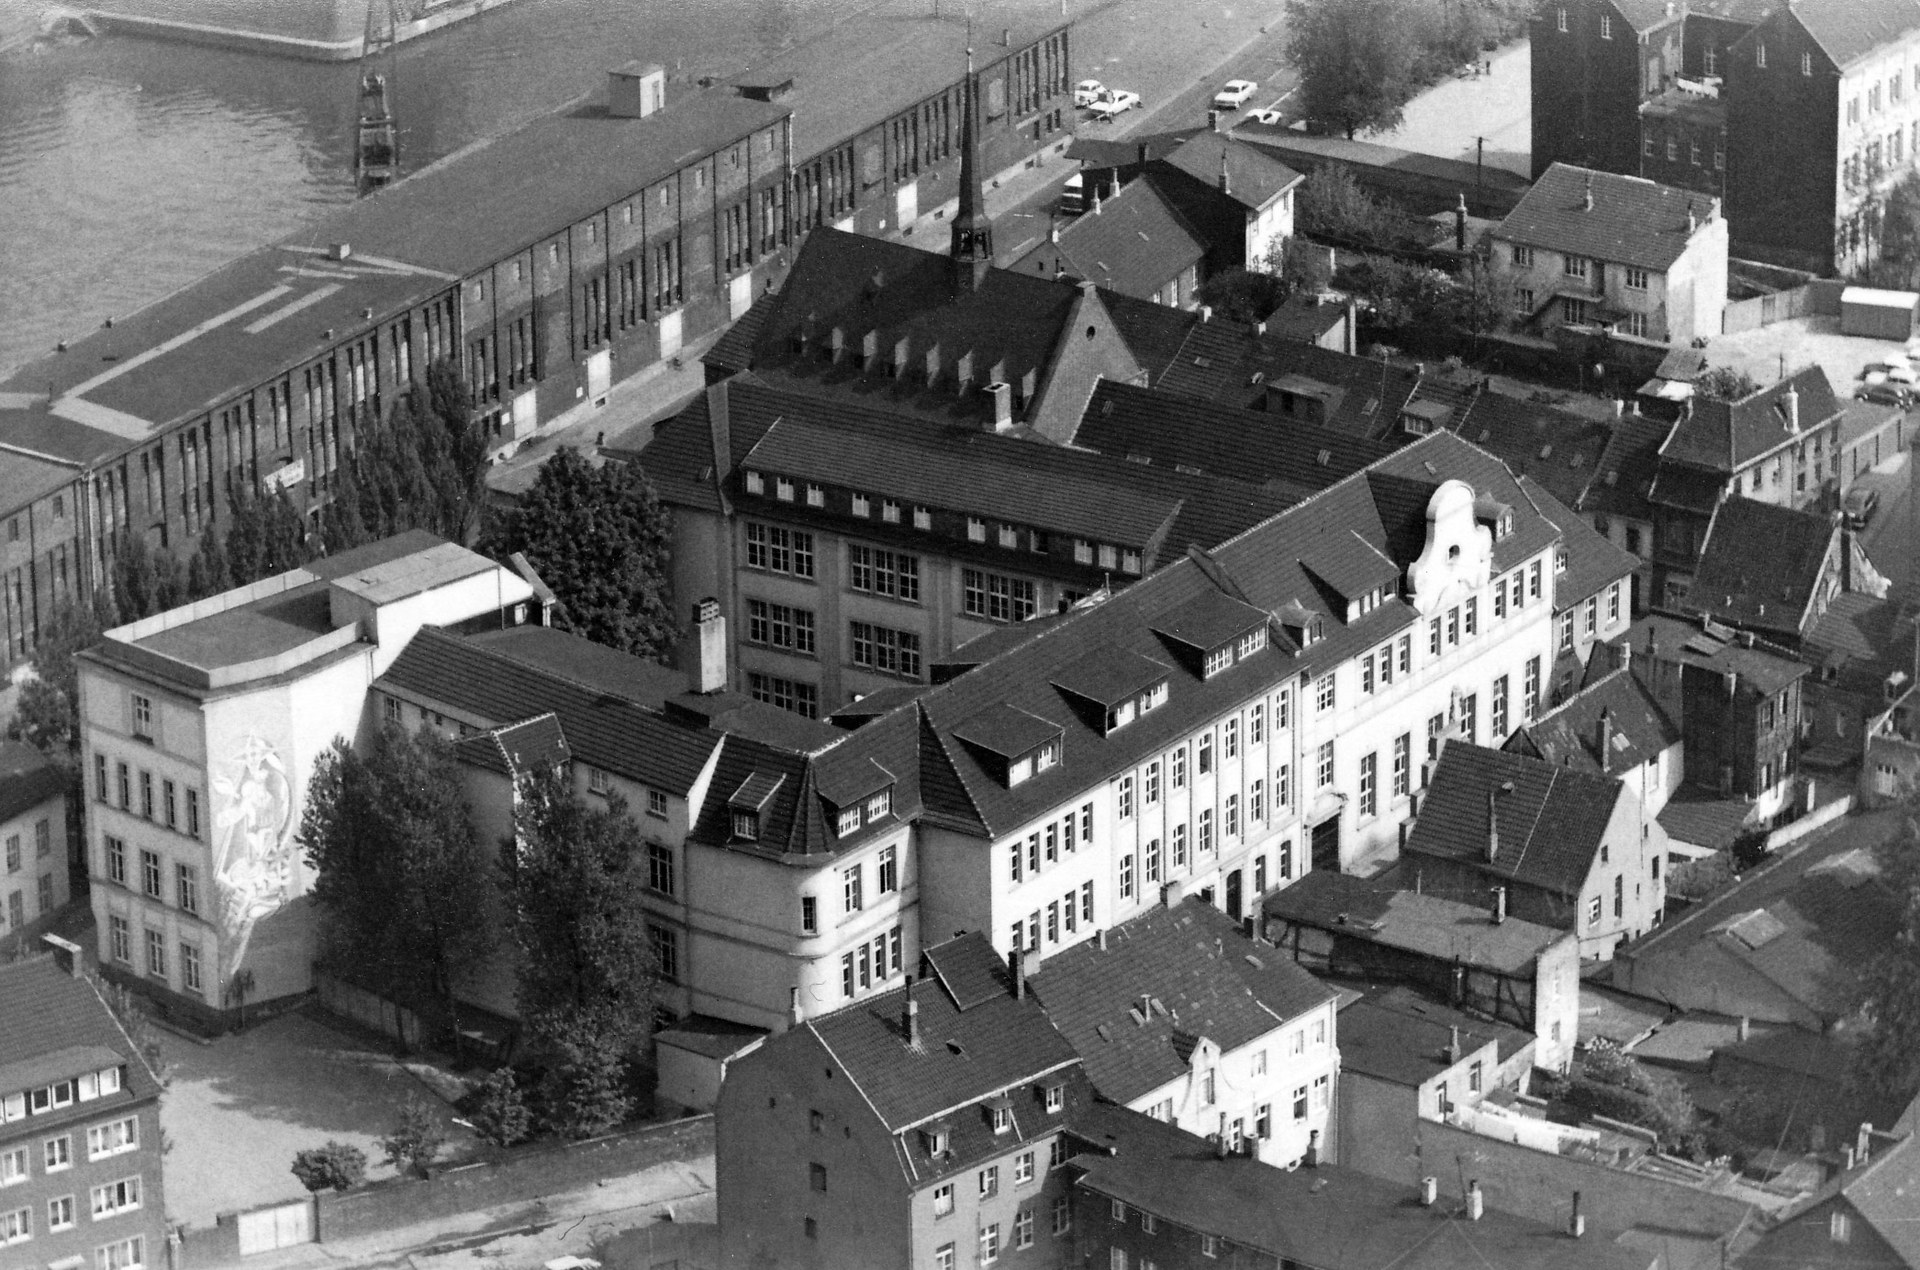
(1456, 115)
(1797, 343)
(240, 1107)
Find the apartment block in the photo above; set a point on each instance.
(33, 842)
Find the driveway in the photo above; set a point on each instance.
(239, 1108)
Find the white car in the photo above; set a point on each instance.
(1113, 101)
(1891, 372)
(1086, 91)
(1235, 94)
(1273, 118)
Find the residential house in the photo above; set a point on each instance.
(200, 727)
(1617, 499)
(1592, 602)
(1572, 850)
(924, 1127)
(1862, 1217)
(1134, 242)
(1683, 137)
(1146, 1195)
(1890, 765)
(1470, 956)
(1595, 62)
(1589, 248)
(1777, 445)
(1612, 726)
(1416, 1060)
(33, 833)
(1177, 1014)
(81, 1151)
(1738, 700)
(1783, 946)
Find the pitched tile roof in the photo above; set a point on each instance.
(1254, 177)
(1568, 735)
(1380, 910)
(27, 778)
(1593, 562)
(1550, 824)
(1134, 242)
(1559, 449)
(58, 1027)
(1330, 1217)
(1848, 30)
(1099, 152)
(531, 745)
(1884, 1195)
(1399, 1036)
(1170, 430)
(1633, 221)
(1646, 15)
(1623, 477)
(1231, 364)
(1201, 977)
(1687, 489)
(1725, 436)
(975, 1043)
(1762, 565)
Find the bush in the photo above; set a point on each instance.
(335, 1166)
(1611, 1083)
(587, 1093)
(416, 1138)
(500, 1113)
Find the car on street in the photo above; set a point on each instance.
(1235, 94)
(1891, 372)
(1086, 91)
(1269, 116)
(1885, 393)
(1859, 505)
(1113, 101)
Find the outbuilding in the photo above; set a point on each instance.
(1877, 314)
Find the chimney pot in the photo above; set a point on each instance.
(1476, 1201)
(1220, 1139)
(793, 1005)
(1429, 1191)
(1002, 394)
(1605, 738)
(1313, 1149)
(1863, 1144)
(1453, 1045)
(1499, 905)
(1101, 939)
(1746, 1027)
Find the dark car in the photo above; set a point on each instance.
(1886, 394)
(1859, 505)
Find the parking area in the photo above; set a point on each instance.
(239, 1108)
(1768, 352)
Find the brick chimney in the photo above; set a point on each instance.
(910, 1023)
(710, 650)
(1603, 736)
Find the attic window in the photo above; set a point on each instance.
(1129, 561)
(1154, 697)
(1001, 1114)
(1218, 659)
(756, 483)
(816, 497)
(1253, 641)
(879, 806)
(746, 825)
(1056, 1098)
(936, 1140)
(862, 506)
(783, 489)
(922, 518)
(1560, 559)
(848, 821)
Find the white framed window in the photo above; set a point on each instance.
(976, 529)
(14, 1168)
(142, 717)
(756, 483)
(60, 1213)
(1522, 256)
(943, 1203)
(1217, 660)
(862, 506)
(1636, 278)
(597, 781)
(922, 518)
(57, 1153)
(816, 496)
(113, 1138)
(890, 511)
(127, 1254)
(16, 1226)
(783, 489)
(118, 1197)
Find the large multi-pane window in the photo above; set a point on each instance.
(779, 550)
(780, 626)
(1369, 785)
(996, 597)
(788, 694)
(883, 649)
(894, 574)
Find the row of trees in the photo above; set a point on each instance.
(1361, 61)
(410, 897)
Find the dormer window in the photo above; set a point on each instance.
(935, 1140)
(816, 497)
(848, 821)
(783, 489)
(1000, 1115)
(1218, 659)
(861, 506)
(1130, 562)
(880, 806)
(1560, 559)
(1121, 715)
(1009, 537)
(756, 483)
(1082, 551)
(748, 801)
(1056, 1099)
(1154, 697)
(746, 825)
(1108, 556)
(976, 529)
(1046, 756)
(890, 511)
(922, 518)
(1024, 742)
(1253, 641)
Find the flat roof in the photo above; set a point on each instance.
(869, 68)
(265, 627)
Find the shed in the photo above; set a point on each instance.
(1877, 314)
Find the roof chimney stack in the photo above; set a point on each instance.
(1863, 1144)
(911, 1022)
(1220, 1139)
(1226, 183)
(1499, 905)
(1453, 1045)
(1605, 737)
(1017, 962)
(1002, 394)
(1493, 827)
(793, 1006)
(1476, 1201)
(1586, 200)
(1791, 400)
(710, 654)
(1460, 224)
(1577, 1227)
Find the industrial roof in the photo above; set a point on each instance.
(1631, 220)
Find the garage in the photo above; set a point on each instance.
(1877, 314)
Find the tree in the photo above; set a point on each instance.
(500, 1113)
(207, 571)
(1356, 59)
(600, 539)
(336, 1166)
(43, 718)
(1243, 295)
(416, 1138)
(1724, 383)
(402, 886)
(1887, 1058)
(575, 881)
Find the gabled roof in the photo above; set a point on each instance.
(1254, 177)
(1559, 449)
(58, 1028)
(976, 1040)
(1134, 242)
(1647, 15)
(1623, 478)
(1329, 1217)
(1399, 1036)
(1725, 436)
(1884, 1195)
(1848, 30)
(1633, 221)
(28, 778)
(1133, 1007)
(1568, 736)
(1550, 824)
(1378, 910)
(531, 745)
(1713, 647)
(1230, 364)
(1099, 152)
(1762, 565)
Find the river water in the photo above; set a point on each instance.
(130, 167)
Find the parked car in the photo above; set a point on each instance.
(1113, 101)
(1885, 393)
(1086, 91)
(1891, 372)
(1235, 94)
(1858, 506)
(1271, 117)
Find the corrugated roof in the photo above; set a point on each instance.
(1762, 565)
(1202, 978)
(1632, 221)
(1550, 823)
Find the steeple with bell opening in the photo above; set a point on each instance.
(972, 243)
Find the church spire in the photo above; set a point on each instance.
(972, 243)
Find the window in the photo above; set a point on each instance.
(142, 717)
(122, 1196)
(1230, 738)
(1283, 787)
(1369, 790)
(157, 953)
(16, 1226)
(1613, 603)
(1760, 54)
(1402, 764)
(1436, 726)
(888, 651)
(1210, 1244)
(1086, 903)
(779, 550)
(990, 1176)
(1233, 816)
(817, 1177)
(889, 870)
(995, 597)
(1606, 26)
(1203, 752)
(193, 812)
(1533, 581)
(809, 915)
(656, 804)
(862, 506)
(1619, 894)
(1023, 1168)
(799, 698)
(1324, 768)
(1179, 855)
(660, 867)
(1205, 835)
(56, 1153)
(989, 1243)
(1062, 1216)
(1148, 1222)
(666, 952)
(850, 888)
(1023, 1228)
(13, 1166)
(943, 1204)
(1323, 693)
(190, 967)
(1593, 911)
(100, 777)
(1433, 637)
(893, 574)
(119, 939)
(1522, 257)
(1322, 1092)
(1566, 632)
(1574, 266)
(1257, 724)
(60, 1213)
(1257, 802)
(1530, 689)
(1499, 710)
(1126, 876)
(780, 626)
(943, 1255)
(1217, 660)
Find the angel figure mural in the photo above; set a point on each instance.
(253, 847)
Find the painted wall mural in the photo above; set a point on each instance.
(253, 824)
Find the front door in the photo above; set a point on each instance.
(1326, 845)
(1233, 895)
